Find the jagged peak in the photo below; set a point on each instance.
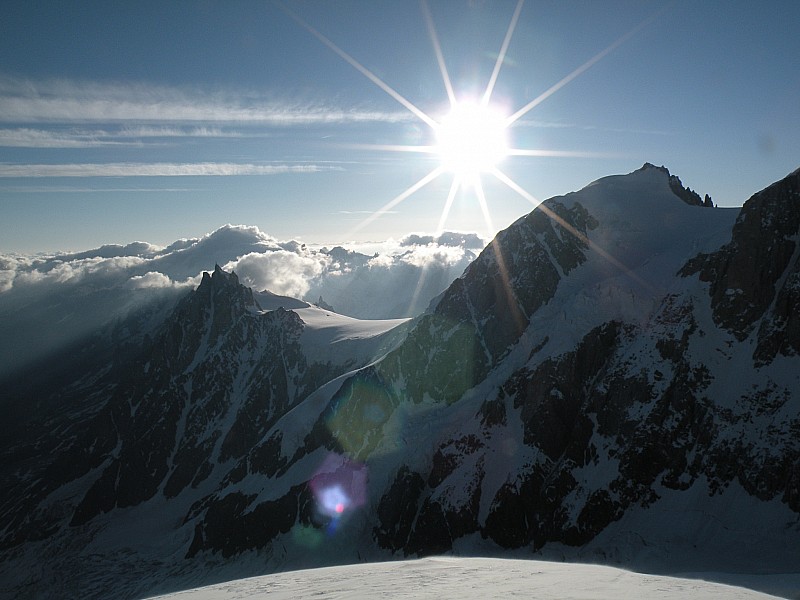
(220, 280)
(219, 276)
(647, 166)
(220, 285)
(688, 195)
(224, 275)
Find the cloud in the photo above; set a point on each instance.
(139, 249)
(281, 272)
(399, 279)
(396, 281)
(131, 135)
(116, 264)
(64, 101)
(169, 132)
(154, 280)
(84, 189)
(155, 169)
(57, 271)
(434, 255)
(48, 302)
(44, 138)
(7, 279)
(365, 212)
(534, 123)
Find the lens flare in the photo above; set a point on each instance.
(333, 500)
(339, 486)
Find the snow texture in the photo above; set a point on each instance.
(467, 579)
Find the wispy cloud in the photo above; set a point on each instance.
(82, 189)
(155, 169)
(58, 101)
(163, 131)
(43, 138)
(363, 212)
(538, 124)
(49, 137)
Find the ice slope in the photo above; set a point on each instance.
(331, 337)
(467, 579)
(338, 338)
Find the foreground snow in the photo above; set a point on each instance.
(466, 578)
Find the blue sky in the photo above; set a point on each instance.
(123, 121)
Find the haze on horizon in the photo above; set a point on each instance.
(143, 122)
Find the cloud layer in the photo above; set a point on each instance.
(63, 101)
(154, 169)
(47, 301)
(67, 116)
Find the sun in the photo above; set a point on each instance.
(471, 139)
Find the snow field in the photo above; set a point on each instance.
(466, 579)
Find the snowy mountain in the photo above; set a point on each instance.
(614, 379)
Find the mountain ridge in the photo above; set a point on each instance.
(587, 376)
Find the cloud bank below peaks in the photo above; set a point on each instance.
(48, 301)
(389, 280)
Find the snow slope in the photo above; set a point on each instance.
(331, 336)
(467, 578)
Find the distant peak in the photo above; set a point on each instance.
(219, 277)
(221, 285)
(648, 166)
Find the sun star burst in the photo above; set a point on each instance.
(471, 140)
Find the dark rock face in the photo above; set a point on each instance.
(758, 264)
(202, 392)
(397, 509)
(645, 426)
(550, 398)
(483, 313)
(230, 527)
(169, 418)
(780, 331)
